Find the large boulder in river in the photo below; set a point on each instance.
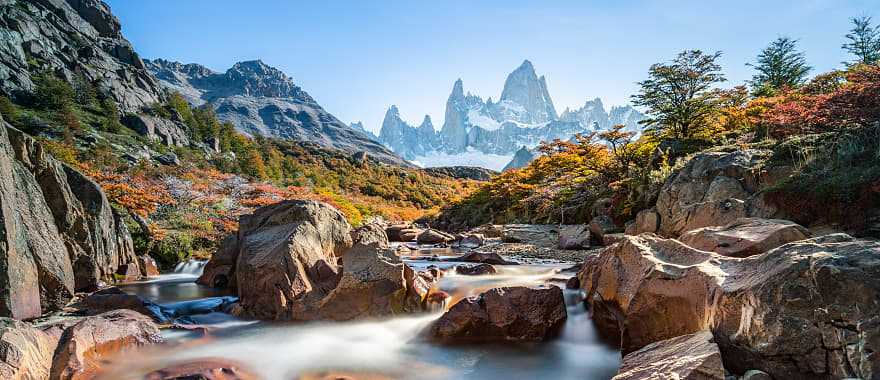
(58, 232)
(504, 314)
(485, 257)
(807, 309)
(432, 236)
(689, 357)
(373, 284)
(87, 344)
(295, 260)
(287, 252)
(25, 352)
(715, 189)
(745, 237)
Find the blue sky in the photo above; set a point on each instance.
(358, 57)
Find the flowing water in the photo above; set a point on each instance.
(393, 347)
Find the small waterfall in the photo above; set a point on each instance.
(190, 267)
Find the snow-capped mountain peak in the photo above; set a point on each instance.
(522, 118)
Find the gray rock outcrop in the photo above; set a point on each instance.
(69, 38)
(59, 232)
(260, 99)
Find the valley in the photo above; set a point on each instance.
(165, 221)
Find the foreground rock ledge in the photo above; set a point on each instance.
(504, 314)
(807, 309)
(745, 237)
(85, 346)
(688, 357)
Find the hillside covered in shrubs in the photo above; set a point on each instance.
(824, 131)
(182, 199)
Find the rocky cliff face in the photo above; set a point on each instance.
(71, 38)
(58, 233)
(260, 99)
(524, 116)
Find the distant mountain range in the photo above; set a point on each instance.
(487, 133)
(260, 99)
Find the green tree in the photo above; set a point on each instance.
(8, 110)
(111, 116)
(779, 66)
(84, 91)
(864, 41)
(678, 95)
(51, 92)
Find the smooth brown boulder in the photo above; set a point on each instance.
(745, 237)
(503, 314)
(286, 253)
(475, 270)
(646, 221)
(432, 236)
(807, 309)
(646, 289)
(409, 234)
(393, 231)
(688, 357)
(208, 369)
(373, 284)
(25, 352)
(148, 266)
(484, 257)
(113, 298)
(86, 345)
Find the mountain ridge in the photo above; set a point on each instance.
(262, 100)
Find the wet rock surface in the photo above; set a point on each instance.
(804, 309)
(300, 260)
(25, 352)
(688, 357)
(503, 314)
(84, 346)
(475, 270)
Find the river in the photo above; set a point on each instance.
(386, 348)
